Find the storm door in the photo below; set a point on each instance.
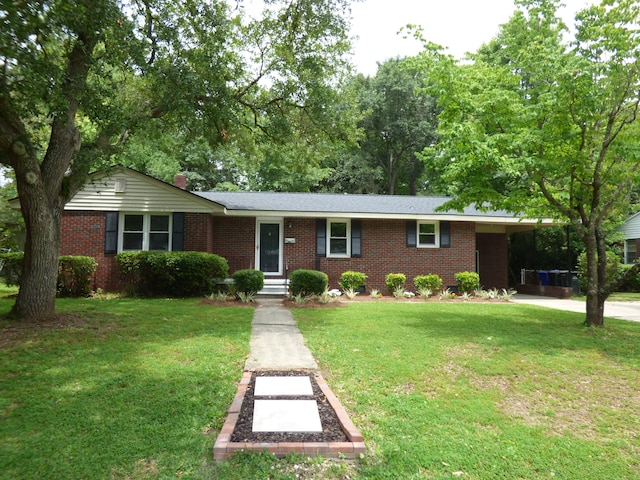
(269, 247)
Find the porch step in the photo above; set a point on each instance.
(275, 286)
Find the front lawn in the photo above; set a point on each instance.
(118, 388)
(483, 391)
(139, 389)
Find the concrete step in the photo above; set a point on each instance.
(275, 286)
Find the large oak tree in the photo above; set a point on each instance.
(539, 125)
(78, 78)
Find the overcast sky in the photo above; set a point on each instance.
(460, 25)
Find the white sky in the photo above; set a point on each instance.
(460, 25)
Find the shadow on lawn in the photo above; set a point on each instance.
(527, 327)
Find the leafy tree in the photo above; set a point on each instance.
(400, 122)
(81, 77)
(535, 125)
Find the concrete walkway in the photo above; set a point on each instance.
(276, 342)
(621, 310)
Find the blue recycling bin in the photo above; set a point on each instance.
(543, 275)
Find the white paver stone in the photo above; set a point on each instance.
(286, 416)
(283, 386)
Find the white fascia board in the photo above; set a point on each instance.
(392, 216)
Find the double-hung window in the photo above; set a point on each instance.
(145, 231)
(630, 251)
(338, 238)
(428, 235)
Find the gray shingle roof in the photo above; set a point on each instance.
(339, 203)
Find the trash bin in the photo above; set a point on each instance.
(543, 276)
(575, 283)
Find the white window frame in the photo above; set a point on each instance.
(146, 230)
(627, 250)
(331, 221)
(436, 225)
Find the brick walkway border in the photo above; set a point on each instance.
(224, 447)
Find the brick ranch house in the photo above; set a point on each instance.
(281, 232)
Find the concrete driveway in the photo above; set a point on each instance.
(621, 310)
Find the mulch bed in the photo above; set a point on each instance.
(331, 428)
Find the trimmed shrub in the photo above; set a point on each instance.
(307, 282)
(431, 281)
(171, 274)
(395, 281)
(248, 281)
(352, 280)
(74, 275)
(467, 281)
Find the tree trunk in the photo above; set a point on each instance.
(595, 301)
(37, 296)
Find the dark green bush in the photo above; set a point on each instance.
(308, 282)
(467, 281)
(12, 267)
(352, 280)
(171, 274)
(628, 284)
(431, 281)
(248, 281)
(395, 281)
(74, 275)
(613, 269)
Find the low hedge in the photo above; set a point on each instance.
(74, 273)
(248, 281)
(308, 282)
(171, 274)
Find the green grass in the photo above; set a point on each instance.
(624, 297)
(127, 389)
(496, 391)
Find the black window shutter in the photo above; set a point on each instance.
(411, 233)
(177, 232)
(445, 234)
(111, 232)
(321, 237)
(356, 238)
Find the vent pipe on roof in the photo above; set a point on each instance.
(180, 181)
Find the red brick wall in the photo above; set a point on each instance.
(83, 234)
(234, 239)
(493, 259)
(384, 251)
